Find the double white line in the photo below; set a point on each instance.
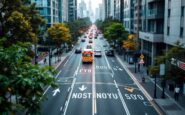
(119, 92)
(94, 107)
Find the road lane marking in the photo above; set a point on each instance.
(72, 87)
(129, 89)
(82, 88)
(46, 90)
(61, 108)
(119, 93)
(134, 97)
(58, 74)
(56, 91)
(135, 80)
(94, 107)
(123, 102)
(69, 97)
(150, 99)
(108, 64)
(102, 95)
(68, 89)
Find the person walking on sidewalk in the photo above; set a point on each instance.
(176, 93)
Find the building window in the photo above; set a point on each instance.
(182, 11)
(169, 12)
(168, 30)
(181, 32)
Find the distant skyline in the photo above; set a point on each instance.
(94, 5)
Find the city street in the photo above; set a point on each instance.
(102, 88)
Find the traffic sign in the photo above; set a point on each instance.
(141, 61)
(141, 56)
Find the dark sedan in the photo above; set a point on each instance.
(109, 52)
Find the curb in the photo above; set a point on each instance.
(159, 110)
(61, 63)
(158, 107)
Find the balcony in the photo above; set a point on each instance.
(155, 13)
(152, 37)
(154, 0)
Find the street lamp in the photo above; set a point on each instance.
(50, 56)
(163, 83)
(35, 58)
(155, 90)
(154, 71)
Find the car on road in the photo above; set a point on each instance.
(97, 53)
(89, 46)
(78, 50)
(105, 45)
(109, 52)
(90, 41)
(83, 40)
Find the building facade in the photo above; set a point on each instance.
(50, 10)
(82, 10)
(174, 25)
(117, 9)
(64, 10)
(151, 33)
(129, 15)
(72, 10)
(101, 12)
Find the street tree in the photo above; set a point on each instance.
(18, 17)
(102, 25)
(172, 72)
(130, 43)
(115, 33)
(78, 27)
(22, 84)
(58, 34)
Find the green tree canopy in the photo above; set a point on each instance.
(22, 84)
(115, 33)
(78, 27)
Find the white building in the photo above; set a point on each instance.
(174, 25)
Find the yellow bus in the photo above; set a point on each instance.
(87, 56)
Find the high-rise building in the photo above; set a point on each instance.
(82, 9)
(64, 10)
(49, 10)
(174, 25)
(117, 9)
(72, 10)
(97, 11)
(101, 12)
(107, 6)
(151, 31)
(129, 15)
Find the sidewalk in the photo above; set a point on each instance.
(56, 61)
(168, 105)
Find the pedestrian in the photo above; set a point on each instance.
(45, 61)
(138, 67)
(176, 93)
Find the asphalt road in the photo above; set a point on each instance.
(101, 88)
